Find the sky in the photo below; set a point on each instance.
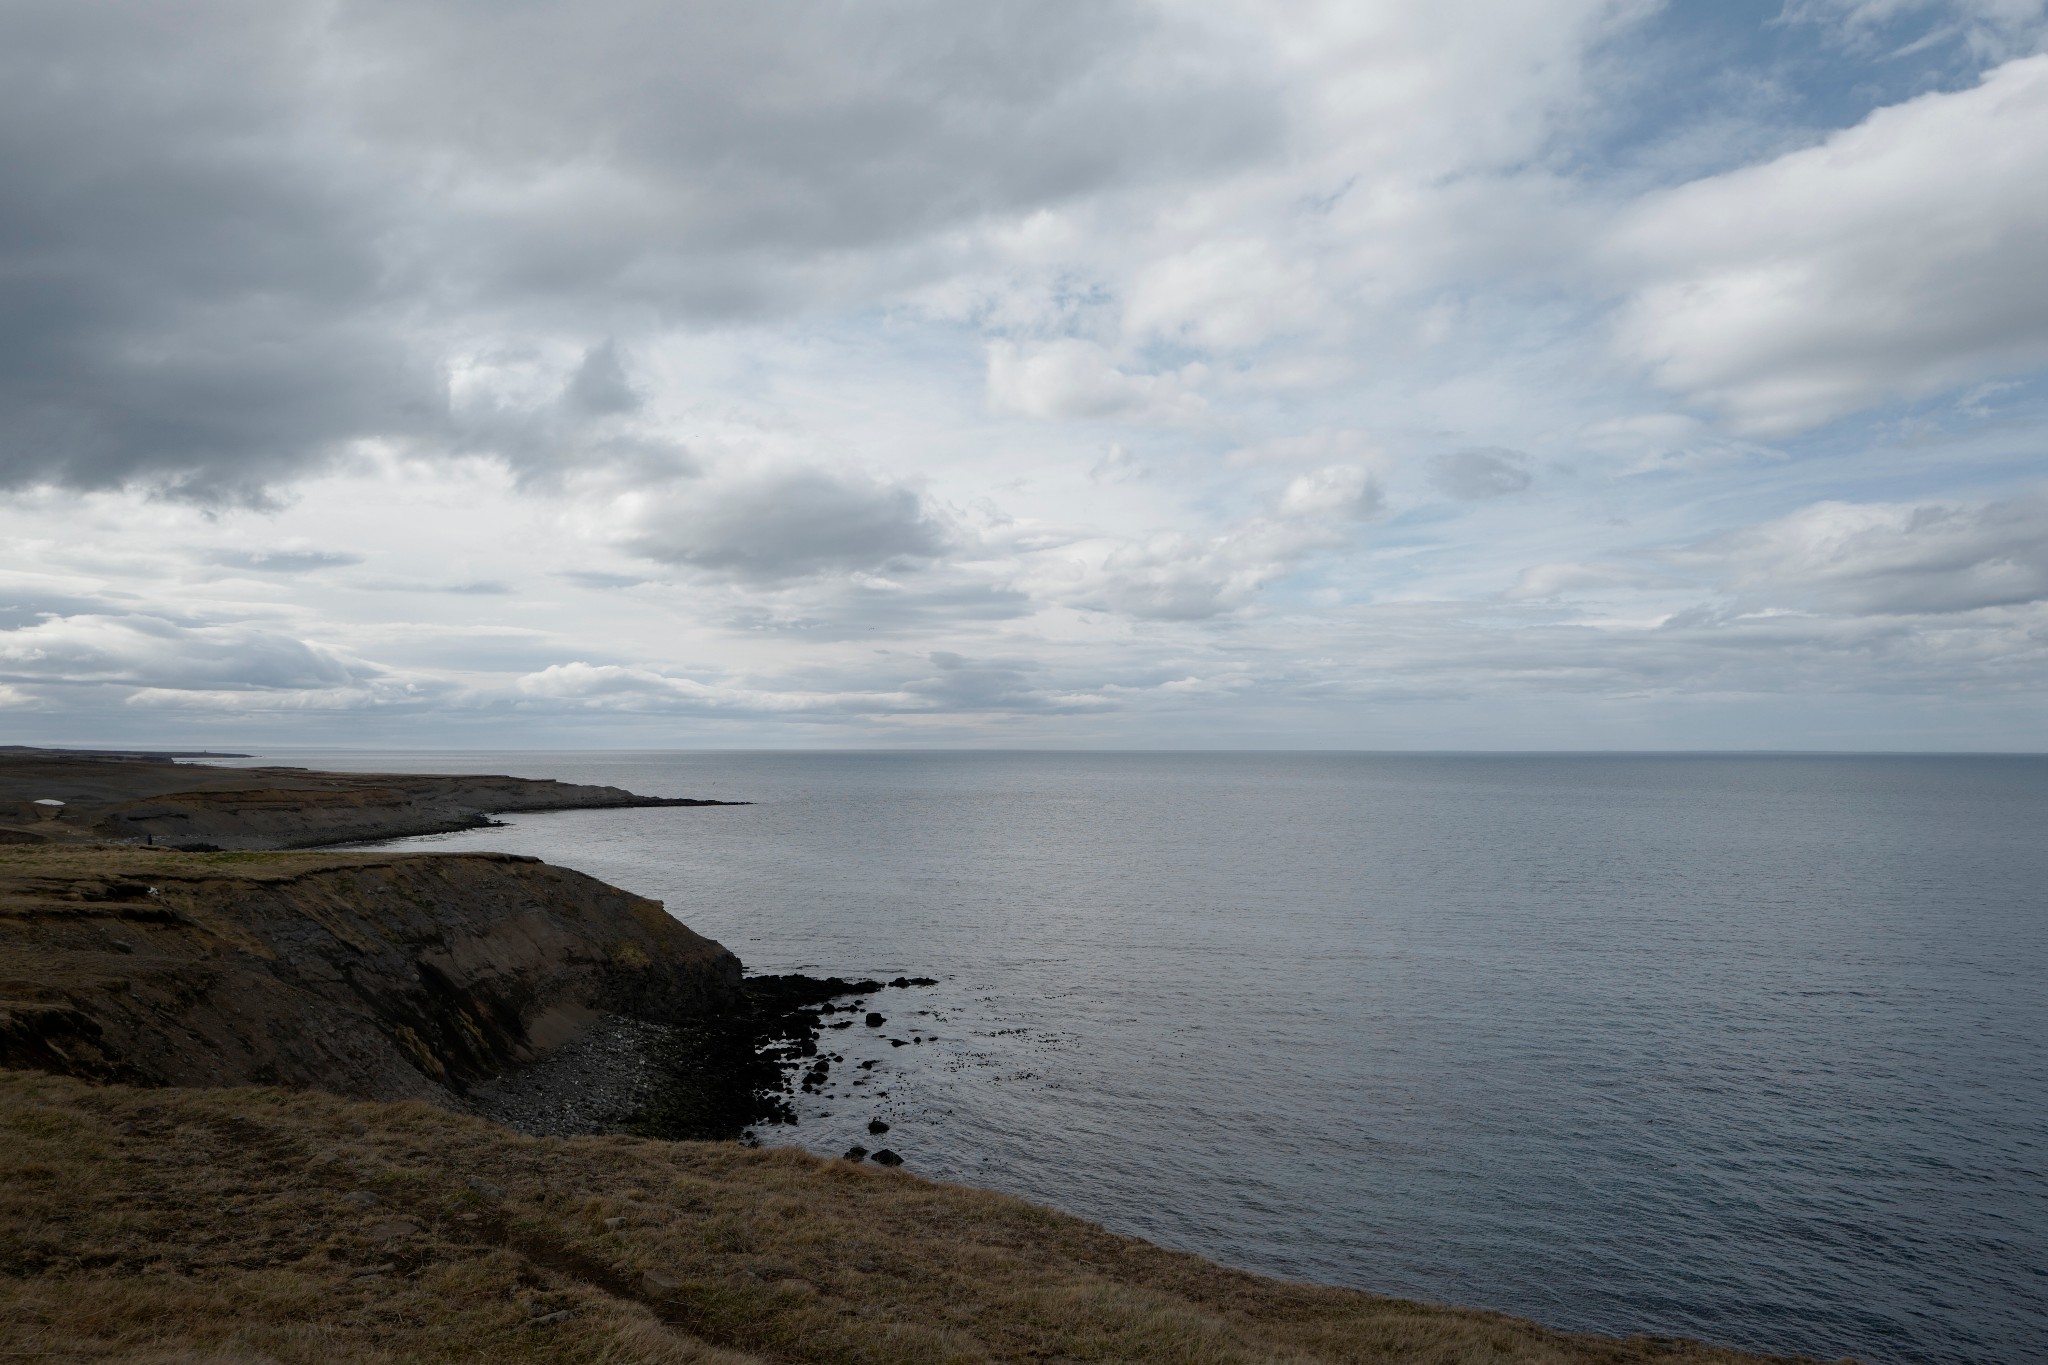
(1445, 374)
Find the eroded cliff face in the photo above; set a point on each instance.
(381, 976)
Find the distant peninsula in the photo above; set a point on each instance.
(84, 796)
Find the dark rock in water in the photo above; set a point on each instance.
(875, 1021)
(722, 1074)
(900, 982)
(897, 1042)
(885, 1157)
(868, 1065)
(796, 991)
(924, 981)
(856, 1153)
(877, 1126)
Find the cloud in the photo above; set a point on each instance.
(1887, 558)
(1548, 582)
(1993, 28)
(282, 560)
(622, 688)
(476, 588)
(1075, 378)
(600, 580)
(1175, 576)
(1895, 259)
(192, 293)
(656, 147)
(785, 524)
(1482, 472)
(151, 652)
(1342, 492)
(600, 388)
(1322, 445)
(247, 238)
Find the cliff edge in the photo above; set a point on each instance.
(378, 976)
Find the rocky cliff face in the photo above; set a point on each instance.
(377, 976)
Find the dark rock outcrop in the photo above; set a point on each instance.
(378, 976)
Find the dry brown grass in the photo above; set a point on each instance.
(248, 1225)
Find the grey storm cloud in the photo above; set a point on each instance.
(804, 127)
(239, 235)
(190, 287)
(1482, 472)
(788, 524)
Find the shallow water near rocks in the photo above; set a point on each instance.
(1749, 1048)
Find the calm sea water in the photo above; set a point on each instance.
(1753, 1049)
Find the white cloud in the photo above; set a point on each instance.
(1993, 28)
(1896, 259)
(1226, 294)
(617, 687)
(151, 652)
(1887, 558)
(738, 369)
(1076, 378)
(1548, 582)
(1174, 576)
(1344, 492)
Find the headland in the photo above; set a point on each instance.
(287, 1106)
(82, 796)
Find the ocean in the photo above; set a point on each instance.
(1747, 1048)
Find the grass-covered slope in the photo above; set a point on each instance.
(249, 1225)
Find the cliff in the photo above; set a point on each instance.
(145, 798)
(382, 976)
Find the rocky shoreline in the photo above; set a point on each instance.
(491, 984)
(722, 1077)
(488, 983)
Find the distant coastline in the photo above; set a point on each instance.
(149, 798)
